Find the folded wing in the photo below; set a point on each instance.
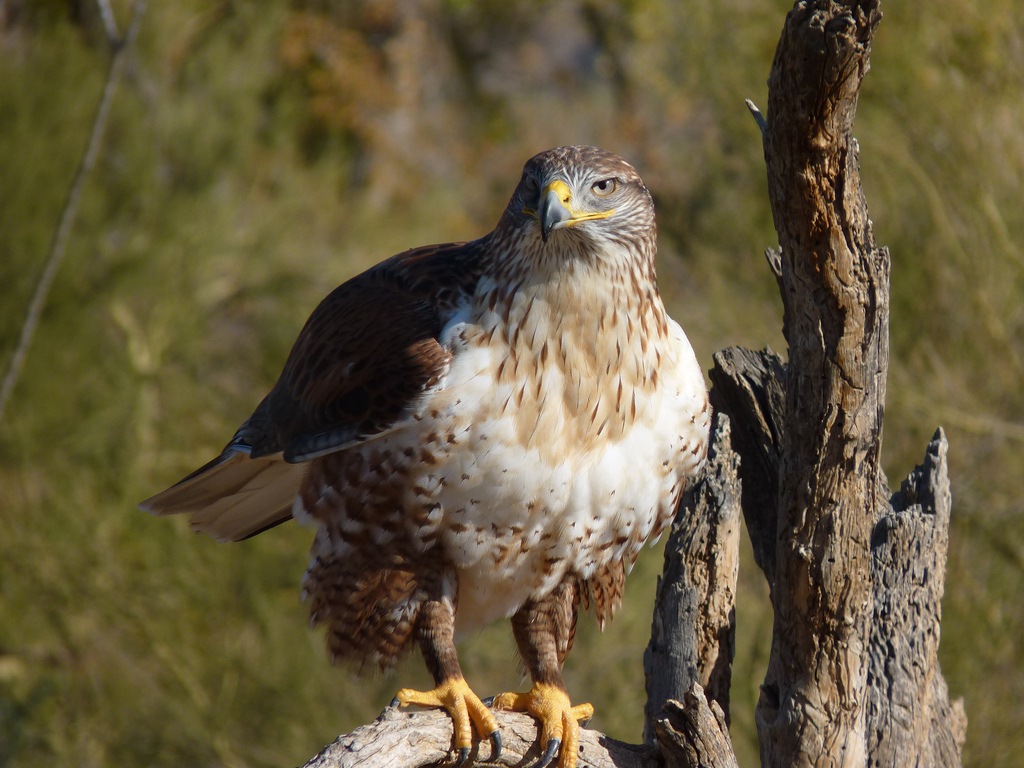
(359, 367)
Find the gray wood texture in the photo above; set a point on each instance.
(693, 627)
(909, 715)
(834, 285)
(399, 738)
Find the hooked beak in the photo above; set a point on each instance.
(554, 212)
(556, 209)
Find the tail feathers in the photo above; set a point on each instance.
(234, 496)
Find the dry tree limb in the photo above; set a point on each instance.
(694, 733)
(120, 48)
(689, 734)
(856, 582)
(910, 718)
(751, 386)
(403, 739)
(693, 627)
(912, 721)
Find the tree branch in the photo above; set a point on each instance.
(403, 739)
(750, 386)
(70, 211)
(912, 719)
(694, 734)
(694, 623)
(689, 734)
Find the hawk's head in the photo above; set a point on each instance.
(587, 191)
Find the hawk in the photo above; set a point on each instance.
(478, 431)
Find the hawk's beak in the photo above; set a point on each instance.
(554, 212)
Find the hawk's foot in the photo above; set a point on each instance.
(464, 706)
(559, 720)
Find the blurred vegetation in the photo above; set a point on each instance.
(260, 153)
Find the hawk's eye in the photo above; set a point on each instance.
(605, 187)
(531, 195)
(530, 188)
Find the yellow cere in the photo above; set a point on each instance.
(565, 195)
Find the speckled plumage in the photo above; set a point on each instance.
(483, 425)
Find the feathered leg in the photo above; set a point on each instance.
(544, 631)
(435, 632)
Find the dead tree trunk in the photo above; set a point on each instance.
(856, 578)
(856, 574)
(910, 719)
(834, 283)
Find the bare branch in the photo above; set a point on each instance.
(70, 211)
(912, 719)
(758, 117)
(402, 739)
(694, 734)
(109, 23)
(750, 387)
(693, 628)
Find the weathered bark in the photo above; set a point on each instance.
(694, 734)
(693, 628)
(753, 384)
(910, 719)
(403, 739)
(689, 734)
(834, 286)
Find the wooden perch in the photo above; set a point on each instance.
(689, 734)
(402, 739)
(856, 574)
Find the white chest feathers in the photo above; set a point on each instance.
(558, 442)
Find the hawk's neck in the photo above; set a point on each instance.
(579, 346)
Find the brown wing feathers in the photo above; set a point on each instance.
(233, 497)
(367, 352)
(364, 357)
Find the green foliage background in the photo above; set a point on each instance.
(260, 153)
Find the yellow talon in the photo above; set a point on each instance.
(559, 720)
(463, 705)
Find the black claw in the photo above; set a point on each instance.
(495, 737)
(463, 756)
(395, 703)
(550, 753)
(488, 702)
